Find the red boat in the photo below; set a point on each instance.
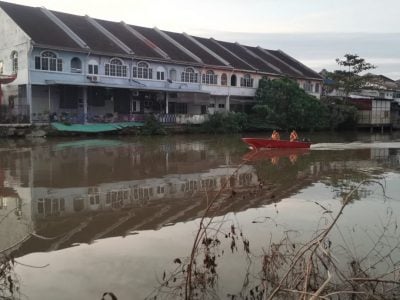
(4, 79)
(260, 143)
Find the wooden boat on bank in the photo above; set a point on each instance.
(260, 143)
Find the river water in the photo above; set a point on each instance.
(87, 216)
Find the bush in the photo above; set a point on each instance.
(229, 122)
(341, 115)
(152, 126)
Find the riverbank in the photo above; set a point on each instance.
(28, 130)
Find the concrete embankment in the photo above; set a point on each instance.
(28, 130)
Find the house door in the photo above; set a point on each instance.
(171, 108)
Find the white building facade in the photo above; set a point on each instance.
(90, 70)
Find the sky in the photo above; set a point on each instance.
(316, 32)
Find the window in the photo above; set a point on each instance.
(221, 105)
(246, 81)
(209, 78)
(142, 71)
(233, 80)
(76, 65)
(160, 75)
(48, 61)
(307, 86)
(49, 207)
(317, 87)
(115, 68)
(14, 62)
(94, 195)
(189, 75)
(181, 108)
(224, 79)
(172, 75)
(93, 69)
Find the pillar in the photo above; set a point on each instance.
(29, 100)
(227, 103)
(49, 96)
(166, 102)
(85, 104)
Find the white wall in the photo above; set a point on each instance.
(380, 113)
(13, 39)
(313, 83)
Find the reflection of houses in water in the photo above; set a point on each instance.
(62, 201)
(115, 190)
(15, 217)
(374, 158)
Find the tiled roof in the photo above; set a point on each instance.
(243, 54)
(285, 69)
(234, 61)
(37, 26)
(40, 27)
(296, 64)
(172, 51)
(137, 45)
(94, 38)
(206, 57)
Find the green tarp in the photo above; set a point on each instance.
(94, 127)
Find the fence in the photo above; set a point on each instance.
(18, 114)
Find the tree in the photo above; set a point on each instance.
(341, 115)
(349, 79)
(283, 103)
(229, 122)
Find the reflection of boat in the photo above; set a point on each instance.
(274, 153)
(4, 79)
(93, 143)
(258, 143)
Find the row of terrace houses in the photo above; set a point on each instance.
(91, 70)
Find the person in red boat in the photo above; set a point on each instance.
(275, 136)
(293, 136)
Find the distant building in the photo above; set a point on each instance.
(372, 112)
(377, 102)
(92, 70)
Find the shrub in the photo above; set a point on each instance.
(152, 126)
